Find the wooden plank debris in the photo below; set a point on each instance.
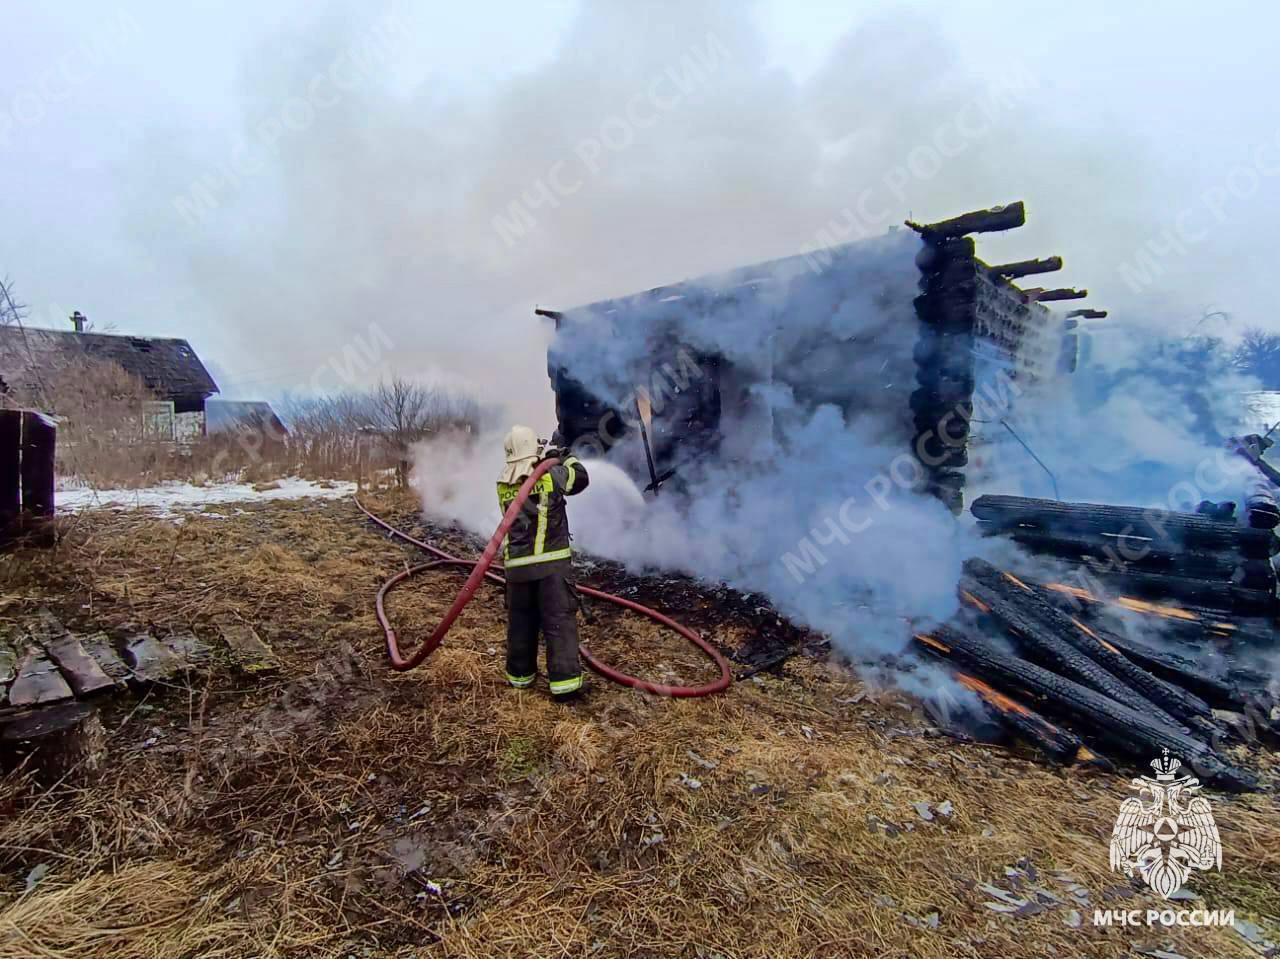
(8, 663)
(1161, 526)
(1131, 731)
(38, 681)
(1188, 557)
(44, 626)
(1219, 595)
(80, 669)
(100, 647)
(1061, 745)
(1044, 638)
(1127, 553)
(150, 660)
(1031, 610)
(190, 650)
(250, 652)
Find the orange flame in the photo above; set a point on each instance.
(1088, 632)
(1127, 602)
(1016, 582)
(935, 643)
(1085, 629)
(992, 695)
(974, 601)
(1155, 609)
(1075, 591)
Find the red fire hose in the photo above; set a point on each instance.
(480, 570)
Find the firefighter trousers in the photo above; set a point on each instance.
(548, 605)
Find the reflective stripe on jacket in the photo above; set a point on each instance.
(540, 533)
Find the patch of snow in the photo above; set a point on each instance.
(174, 499)
(1261, 411)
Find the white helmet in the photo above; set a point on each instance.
(521, 449)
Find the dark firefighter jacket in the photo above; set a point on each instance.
(537, 544)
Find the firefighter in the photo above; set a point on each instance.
(537, 559)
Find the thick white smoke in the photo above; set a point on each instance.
(814, 510)
(739, 525)
(809, 500)
(286, 236)
(1144, 421)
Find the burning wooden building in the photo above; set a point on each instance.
(666, 378)
(1113, 631)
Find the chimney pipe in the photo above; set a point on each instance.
(78, 321)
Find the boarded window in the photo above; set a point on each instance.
(158, 420)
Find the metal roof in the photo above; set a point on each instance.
(169, 367)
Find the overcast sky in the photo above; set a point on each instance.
(288, 183)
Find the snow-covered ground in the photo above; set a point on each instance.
(176, 499)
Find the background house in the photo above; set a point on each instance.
(32, 361)
(250, 422)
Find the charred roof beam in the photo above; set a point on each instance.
(998, 218)
(1028, 267)
(1041, 295)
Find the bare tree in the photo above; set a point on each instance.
(1259, 355)
(12, 313)
(405, 413)
(328, 434)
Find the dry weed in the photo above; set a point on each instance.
(147, 910)
(442, 813)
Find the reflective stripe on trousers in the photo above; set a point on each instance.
(539, 558)
(560, 687)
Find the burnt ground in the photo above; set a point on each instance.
(753, 634)
(335, 808)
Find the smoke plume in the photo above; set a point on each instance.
(648, 146)
(350, 212)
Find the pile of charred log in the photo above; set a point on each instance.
(1084, 676)
(1206, 560)
(1132, 629)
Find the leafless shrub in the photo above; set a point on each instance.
(356, 434)
(12, 312)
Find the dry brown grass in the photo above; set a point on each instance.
(341, 808)
(153, 909)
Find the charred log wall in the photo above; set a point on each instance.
(942, 404)
(966, 308)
